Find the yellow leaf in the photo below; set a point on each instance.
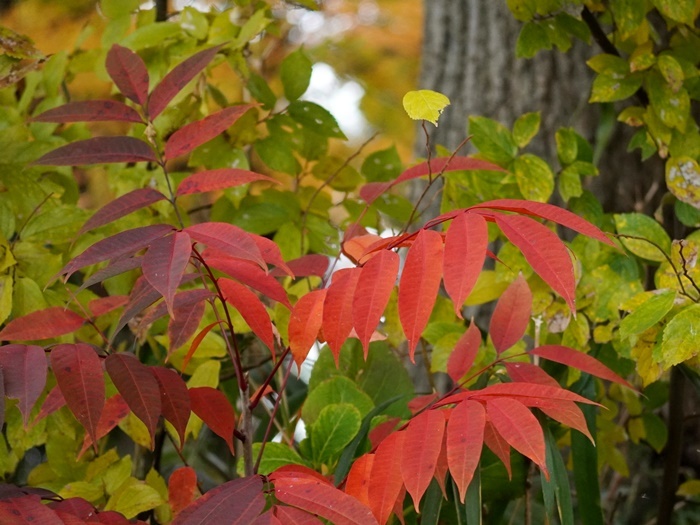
(134, 499)
(425, 105)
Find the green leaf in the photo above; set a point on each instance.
(567, 145)
(134, 499)
(151, 35)
(472, 500)
(570, 183)
(335, 427)
(522, 10)
(425, 105)
(254, 25)
(332, 391)
(683, 179)
(317, 119)
(678, 10)
(533, 38)
(194, 22)
(610, 88)
(295, 73)
(118, 8)
(628, 15)
(277, 154)
(535, 178)
(671, 71)
(261, 92)
(671, 106)
(640, 225)
(681, 338)
(656, 432)
(276, 455)
(687, 214)
(525, 128)
(493, 140)
(558, 484)
(648, 314)
(382, 166)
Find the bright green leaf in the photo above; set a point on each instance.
(493, 140)
(648, 314)
(533, 38)
(295, 73)
(335, 427)
(335, 390)
(317, 119)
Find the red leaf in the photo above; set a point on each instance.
(174, 399)
(529, 373)
(356, 247)
(292, 516)
(79, 375)
(549, 212)
(441, 466)
(511, 315)
(2, 397)
(499, 446)
(566, 412)
(220, 179)
(313, 495)
(184, 301)
(54, 401)
(77, 506)
(545, 252)
(229, 239)
(420, 451)
(182, 488)
(184, 323)
(128, 72)
(177, 79)
(214, 408)
(42, 324)
(304, 324)
(419, 285)
(462, 357)
(271, 253)
(23, 368)
(27, 510)
(307, 265)
(196, 342)
(90, 111)
(121, 206)
(268, 518)
(99, 150)
(142, 295)
(337, 309)
(250, 275)
(357, 484)
(112, 269)
(385, 484)
(519, 427)
(517, 390)
(382, 431)
(251, 309)
(138, 387)
(197, 133)
(575, 359)
(372, 293)
(123, 243)
(465, 437)
(114, 411)
(236, 502)
(104, 305)
(165, 262)
(465, 248)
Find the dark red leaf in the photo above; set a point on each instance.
(465, 248)
(184, 323)
(420, 451)
(545, 252)
(121, 206)
(575, 359)
(304, 324)
(229, 239)
(385, 483)
(337, 309)
(372, 293)
(79, 375)
(184, 301)
(267, 518)
(114, 411)
(220, 179)
(174, 399)
(465, 437)
(462, 357)
(2, 397)
(419, 285)
(182, 488)
(292, 516)
(357, 483)
(129, 73)
(111, 517)
(511, 315)
(177, 79)
(79, 507)
(54, 401)
(113, 268)
(104, 305)
(236, 502)
(251, 309)
(165, 262)
(305, 266)
(123, 243)
(99, 150)
(529, 373)
(499, 446)
(519, 427)
(138, 387)
(142, 295)
(197, 133)
(214, 408)
(23, 368)
(90, 111)
(27, 510)
(42, 324)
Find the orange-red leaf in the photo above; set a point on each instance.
(138, 387)
(372, 293)
(529, 373)
(104, 305)
(420, 451)
(385, 483)
(121, 206)
(307, 265)
(337, 309)
(165, 262)
(196, 342)
(114, 411)
(465, 437)
(99, 150)
(214, 408)
(229, 239)
(182, 488)
(219, 179)
(79, 375)
(575, 359)
(462, 357)
(174, 399)
(465, 248)
(90, 111)
(566, 412)
(545, 252)
(272, 254)
(511, 315)
(128, 72)
(357, 484)
(23, 368)
(304, 324)
(519, 427)
(293, 516)
(499, 446)
(197, 133)
(419, 285)
(251, 309)
(42, 324)
(517, 390)
(54, 400)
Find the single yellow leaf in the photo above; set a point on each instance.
(425, 105)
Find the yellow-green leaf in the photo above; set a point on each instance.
(648, 314)
(681, 337)
(134, 499)
(683, 179)
(425, 105)
(535, 178)
(640, 225)
(525, 128)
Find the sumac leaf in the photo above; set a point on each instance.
(462, 357)
(271, 253)
(54, 401)
(229, 239)
(511, 315)
(219, 179)
(27, 509)
(385, 483)
(304, 324)
(293, 516)
(499, 446)
(104, 305)
(465, 437)
(529, 373)
(182, 488)
(121, 206)
(184, 323)
(42, 324)
(23, 368)
(174, 399)
(99, 150)
(236, 502)
(313, 264)
(419, 454)
(337, 309)
(114, 410)
(90, 111)
(165, 262)
(251, 309)
(114, 268)
(357, 483)
(128, 72)
(214, 408)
